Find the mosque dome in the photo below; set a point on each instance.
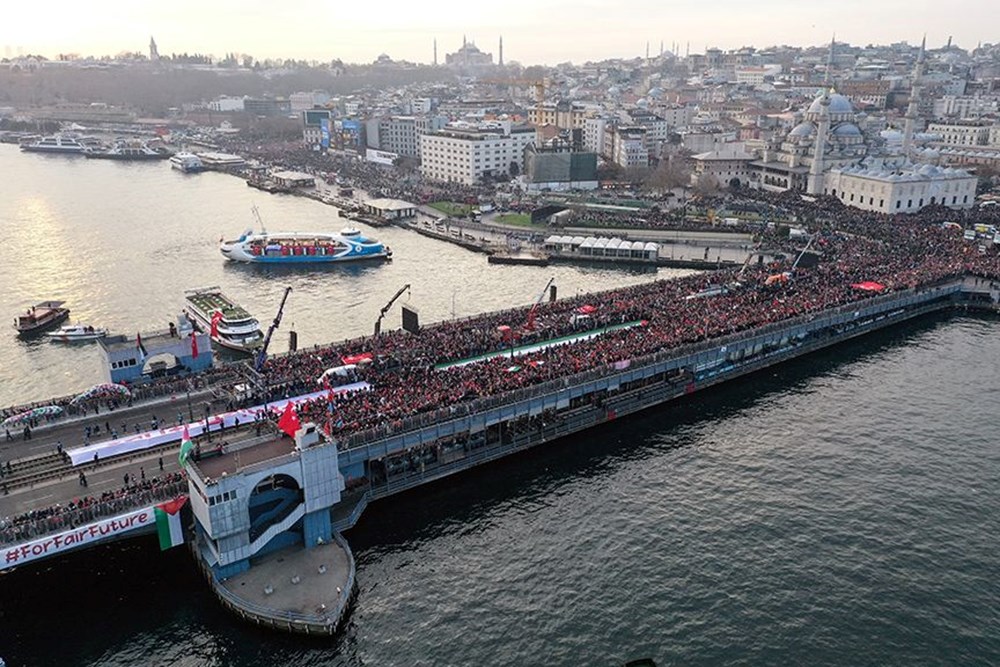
(838, 104)
(804, 129)
(847, 130)
(892, 136)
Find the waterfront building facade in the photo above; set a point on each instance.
(904, 190)
(466, 153)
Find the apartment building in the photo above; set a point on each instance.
(467, 153)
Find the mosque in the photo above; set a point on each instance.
(827, 153)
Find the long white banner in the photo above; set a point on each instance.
(141, 441)
(51, 545)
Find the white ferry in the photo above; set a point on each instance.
(188, 163)
(303, 247)
(129, 151)
(66, 144)
(234, 327)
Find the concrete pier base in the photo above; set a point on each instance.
(294, 590)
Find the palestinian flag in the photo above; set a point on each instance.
(168, 522)
(187, 446)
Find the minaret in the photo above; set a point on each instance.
(815, 185)
(501, 51)
(154, 54)
(435, 52)
(828, 81)
(911, 110)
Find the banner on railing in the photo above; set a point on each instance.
(52, 545)
(134, 443)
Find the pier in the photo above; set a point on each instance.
(265, 511)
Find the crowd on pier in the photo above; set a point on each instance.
(86, 509)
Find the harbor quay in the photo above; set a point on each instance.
(264, 511)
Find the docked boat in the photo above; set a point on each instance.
(40, 317)
(228, 324)
(129, 151)
(76, 332)
(188, 163)
(66, 144)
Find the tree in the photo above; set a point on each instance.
(669, 174)
(610, 171)
(706, 185)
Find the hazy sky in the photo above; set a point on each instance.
(536, 31)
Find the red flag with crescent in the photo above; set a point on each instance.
(289, 422)
(216, 318)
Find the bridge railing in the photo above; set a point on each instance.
(20, 529)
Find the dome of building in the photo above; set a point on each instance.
(838, 104)
(892, 136)
(847, 130)
(804, 129)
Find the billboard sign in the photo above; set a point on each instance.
(324, 133)
(380, 157)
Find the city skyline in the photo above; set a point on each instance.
(533, 34)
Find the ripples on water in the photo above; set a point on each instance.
(840, 509)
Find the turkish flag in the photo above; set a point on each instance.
(289, 422)
(194, 345)
(216, 318)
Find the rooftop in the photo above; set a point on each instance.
(386, 204)
(240, 447)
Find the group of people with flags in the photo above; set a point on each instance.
(857, 253)
(87, 508)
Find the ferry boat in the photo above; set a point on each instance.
(40, 317)
(234, 327)
(76, 332)
(188, 163)
(128, 151)
(66, 144)
(302, 247)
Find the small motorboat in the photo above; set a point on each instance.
(76, 332)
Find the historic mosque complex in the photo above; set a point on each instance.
(826, 152)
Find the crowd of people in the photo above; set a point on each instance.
(86, 509)
(413, 374)
(98, 405)
(855, 247)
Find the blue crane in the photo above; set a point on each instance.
(262, 354)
